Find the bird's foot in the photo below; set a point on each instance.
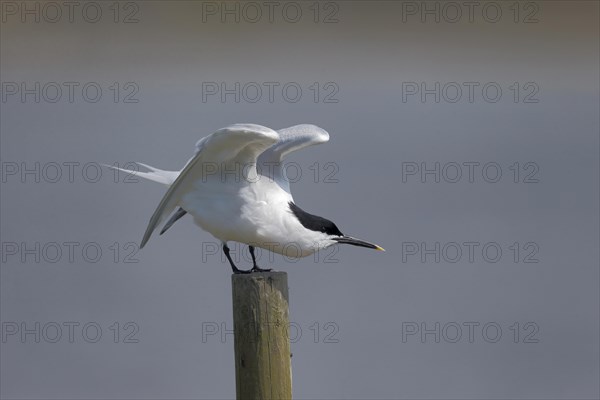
(241, 271)
(257, 269)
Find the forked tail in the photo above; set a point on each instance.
(155, 174)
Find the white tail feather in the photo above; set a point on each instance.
(155, 174)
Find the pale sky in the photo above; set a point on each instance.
(489, 286)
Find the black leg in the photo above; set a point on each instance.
(254, 266)
(235, 269)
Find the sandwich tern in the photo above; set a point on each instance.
(235, 188)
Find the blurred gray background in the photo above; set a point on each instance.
(364, 321)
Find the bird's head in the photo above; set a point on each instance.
(330, 233)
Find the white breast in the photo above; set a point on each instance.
(257, 214)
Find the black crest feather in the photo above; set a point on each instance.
(314, 222)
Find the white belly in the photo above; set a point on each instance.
(256, 214)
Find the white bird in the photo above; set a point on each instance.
(236, 189)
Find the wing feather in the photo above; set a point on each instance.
(271, 162)
(241, 143)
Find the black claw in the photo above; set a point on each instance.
(256, 269)
(240, 271)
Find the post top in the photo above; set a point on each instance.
(277, 275)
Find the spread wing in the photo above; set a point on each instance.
(271, 162)
(239, 143)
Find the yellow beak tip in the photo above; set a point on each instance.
(379, 248)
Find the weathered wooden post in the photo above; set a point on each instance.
(263, 368)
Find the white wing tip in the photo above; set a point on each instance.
(321, 135)
(316, 133)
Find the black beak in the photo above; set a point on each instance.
(357, 242)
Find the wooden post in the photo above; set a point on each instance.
(263, 368)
